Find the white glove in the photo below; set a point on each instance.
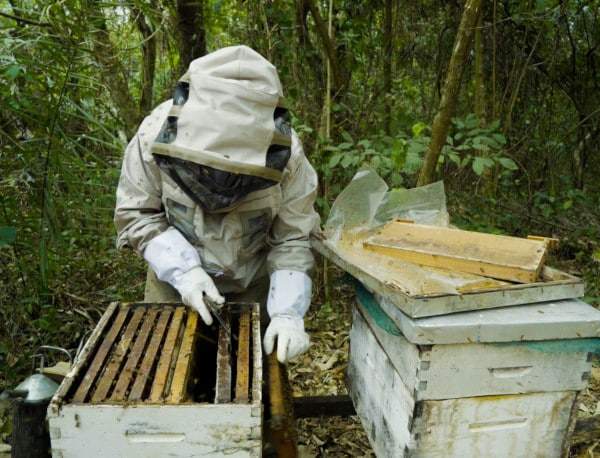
(291, 338)
(192, 286)
(176, 261)
(289, 299)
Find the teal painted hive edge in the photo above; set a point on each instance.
(368, 301)
(370, 304)
(587, 345)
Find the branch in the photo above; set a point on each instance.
(565, 20)
(328, 43)
(441, 121)
(24, 20)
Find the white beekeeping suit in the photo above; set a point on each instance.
(216, 193)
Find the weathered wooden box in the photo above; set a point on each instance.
(419, 291)
(154, 381)
(461, 398)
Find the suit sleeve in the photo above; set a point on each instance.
(139, 214)
(297, 218)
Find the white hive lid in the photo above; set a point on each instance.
(567, 319)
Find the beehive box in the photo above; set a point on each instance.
(154, 381)
(457, 399)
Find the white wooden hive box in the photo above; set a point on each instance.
(154, 381)
(463, 399)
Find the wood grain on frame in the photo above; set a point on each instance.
(497, 256)
(100, 357)
(184, 360)
(164, 363)
(143, 373)
(223, 383)
(120, 350)
(134, 356)
(243, 359)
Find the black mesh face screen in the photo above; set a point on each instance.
(278, 155)
(282, 121)
(181, 93)
(210, 188)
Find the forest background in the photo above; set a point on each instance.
(364, 81)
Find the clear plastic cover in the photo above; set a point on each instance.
(367, 203)
(356, 206)
(422, 205)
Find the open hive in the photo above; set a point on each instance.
(153, 380)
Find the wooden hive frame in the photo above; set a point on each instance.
(145, 353)
(490, 255)
(556, 285)
(235, 351)
(145, 384)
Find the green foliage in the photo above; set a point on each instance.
(7, 235)
(399, 158)
(480, 148)
(60, 150)
(381, 155)
(70, 85)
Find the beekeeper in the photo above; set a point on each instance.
(217, 195)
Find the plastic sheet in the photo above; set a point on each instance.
(367, 202)
(356, 206)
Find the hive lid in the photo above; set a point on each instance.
(567, 319)
(420, 291)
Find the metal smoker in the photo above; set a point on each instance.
(30, 399)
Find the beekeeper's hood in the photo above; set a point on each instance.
(227, 133)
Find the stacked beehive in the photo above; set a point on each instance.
(469, 345)
(471, 385)
(154, 381)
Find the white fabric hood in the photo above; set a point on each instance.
(223, 114)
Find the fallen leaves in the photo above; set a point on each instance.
(321, 371)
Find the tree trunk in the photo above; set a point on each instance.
(339, 77)
(387, 63)
(148, 60)
(480, 102)
(441, 122)
(113, 73)
(190, 27)
(587, 137)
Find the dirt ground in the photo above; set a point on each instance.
(322, 372)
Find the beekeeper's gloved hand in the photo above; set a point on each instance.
(289, 299)
(193, 286)
(176, 261)
(291, 338)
